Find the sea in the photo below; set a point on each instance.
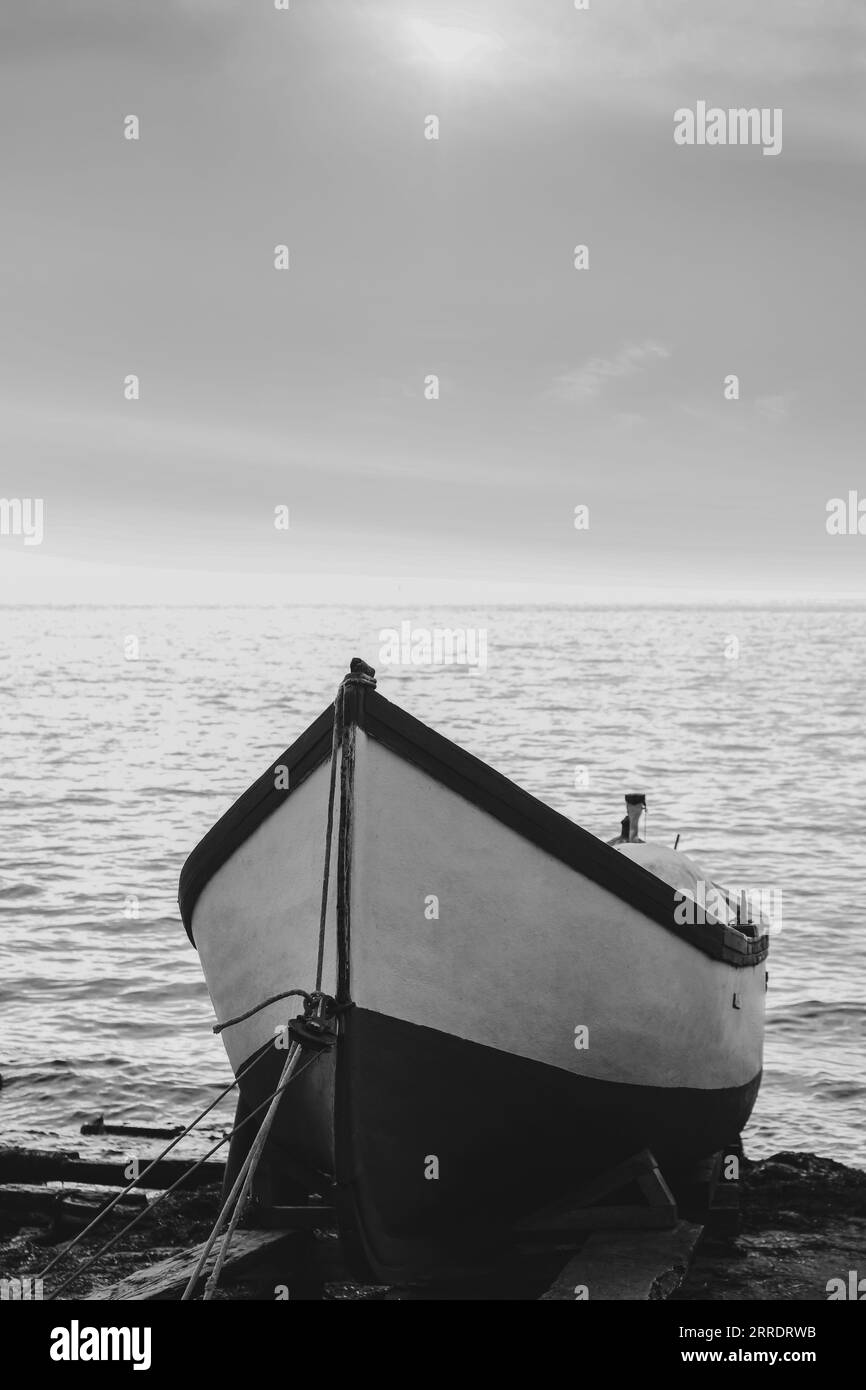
(126, 732)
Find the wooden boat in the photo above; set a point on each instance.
(507, 1004)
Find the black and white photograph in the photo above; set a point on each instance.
(432, 673)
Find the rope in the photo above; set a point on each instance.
(242, 1187)
(274, 999)
(139, 1181)
(359, 673)
(336, 736)
(168, 1191)
(241, 1190)
(355, 676)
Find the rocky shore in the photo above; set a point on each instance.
(803, 1224)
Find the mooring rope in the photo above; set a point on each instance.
(139, 1181)
(241, 1189)
(151, 1206)
(360, 674)
(336, 737)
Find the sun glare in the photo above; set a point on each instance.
(449, 44)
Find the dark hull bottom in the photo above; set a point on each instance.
(436, 1144)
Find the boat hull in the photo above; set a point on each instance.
(518, 1008)
(442, 1143)
(452, 1141)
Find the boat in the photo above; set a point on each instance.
(497, 1004)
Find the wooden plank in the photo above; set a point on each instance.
(101, 1193)
(98, 1125)
(164, 1173)
(601, 1186)
(39, 1197)
(16, 1194)
(579, 1212)
(32, 1165)
(29, 1165)
(169, 1278)
(656, 1190)
(635, 1266)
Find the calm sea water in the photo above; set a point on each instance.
(113, 768)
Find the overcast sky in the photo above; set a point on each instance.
(411, 257)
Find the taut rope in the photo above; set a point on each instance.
(241, 1188)
(310, 1031)
(151, 1206)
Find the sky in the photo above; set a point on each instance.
(412, 257)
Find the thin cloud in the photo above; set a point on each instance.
(587, 382)
(773, 408)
